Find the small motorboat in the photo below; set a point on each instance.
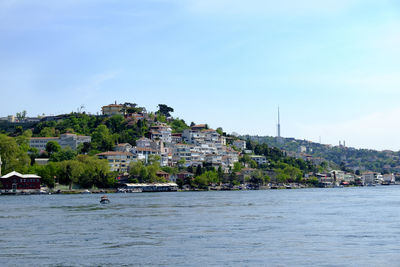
(104, 200)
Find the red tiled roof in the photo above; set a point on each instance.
(34, 138)
(145, 149)
(114, 153)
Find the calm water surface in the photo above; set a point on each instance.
(310, 227)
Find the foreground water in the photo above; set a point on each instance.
(310, 227)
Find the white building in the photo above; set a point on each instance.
(124, 147)
(368, 178)
(389, 178)
(65, 140)
(161, 131)
(240, 144)
(259, 159)
(118, 161)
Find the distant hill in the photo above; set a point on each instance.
(345, 157)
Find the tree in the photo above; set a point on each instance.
(102, 139)
(52, 147)
(70, 171)
(313, 181)
(95, 172)
(84, 148)
(164, 110)
(63, 154)
(257, 178)
(181, 163)
(135, 168)
(178, 125)
(199, 170)
(23, 140)
(48, 132)
(12, 155)
(220, 173)
(21, 115)
(220, 131)
(237, 167)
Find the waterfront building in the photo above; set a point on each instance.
(65, 140)
(163, 174)
(184, 175)
(389, 178)
(16, 182)
(118, 161)
(368, 178)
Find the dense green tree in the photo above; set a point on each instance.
(164, 110)
(48, 132)
(13, 157)
(52, 147)
(21, 115)
(102, 139)
(63, 154)
(70, 171)
(178, 125)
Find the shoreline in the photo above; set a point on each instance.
(119, 191)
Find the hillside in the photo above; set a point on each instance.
(344, 157)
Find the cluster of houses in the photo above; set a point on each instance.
(337, 177)
(196, 146)
(192, 147)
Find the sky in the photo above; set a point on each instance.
(331, 66)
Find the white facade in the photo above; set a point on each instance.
(259, 159)
(368, 178)
(65, 140)
(118, 161)
(240, 144)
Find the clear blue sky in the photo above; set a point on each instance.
(332, 66)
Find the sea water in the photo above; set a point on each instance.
(305, 227)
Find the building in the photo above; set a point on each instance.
(176, 138)
(161, 131)
(123, 147)
(389, 178)
(338, 176)
(113, 109)
(16, 182)
(146, 142)
(240, 144)
(259, 159)
(65, 140)
(368, 178)
(118, 161)
(182, 152)
(143, 153)
(163, 174)
(185, 175)
(199, 127)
